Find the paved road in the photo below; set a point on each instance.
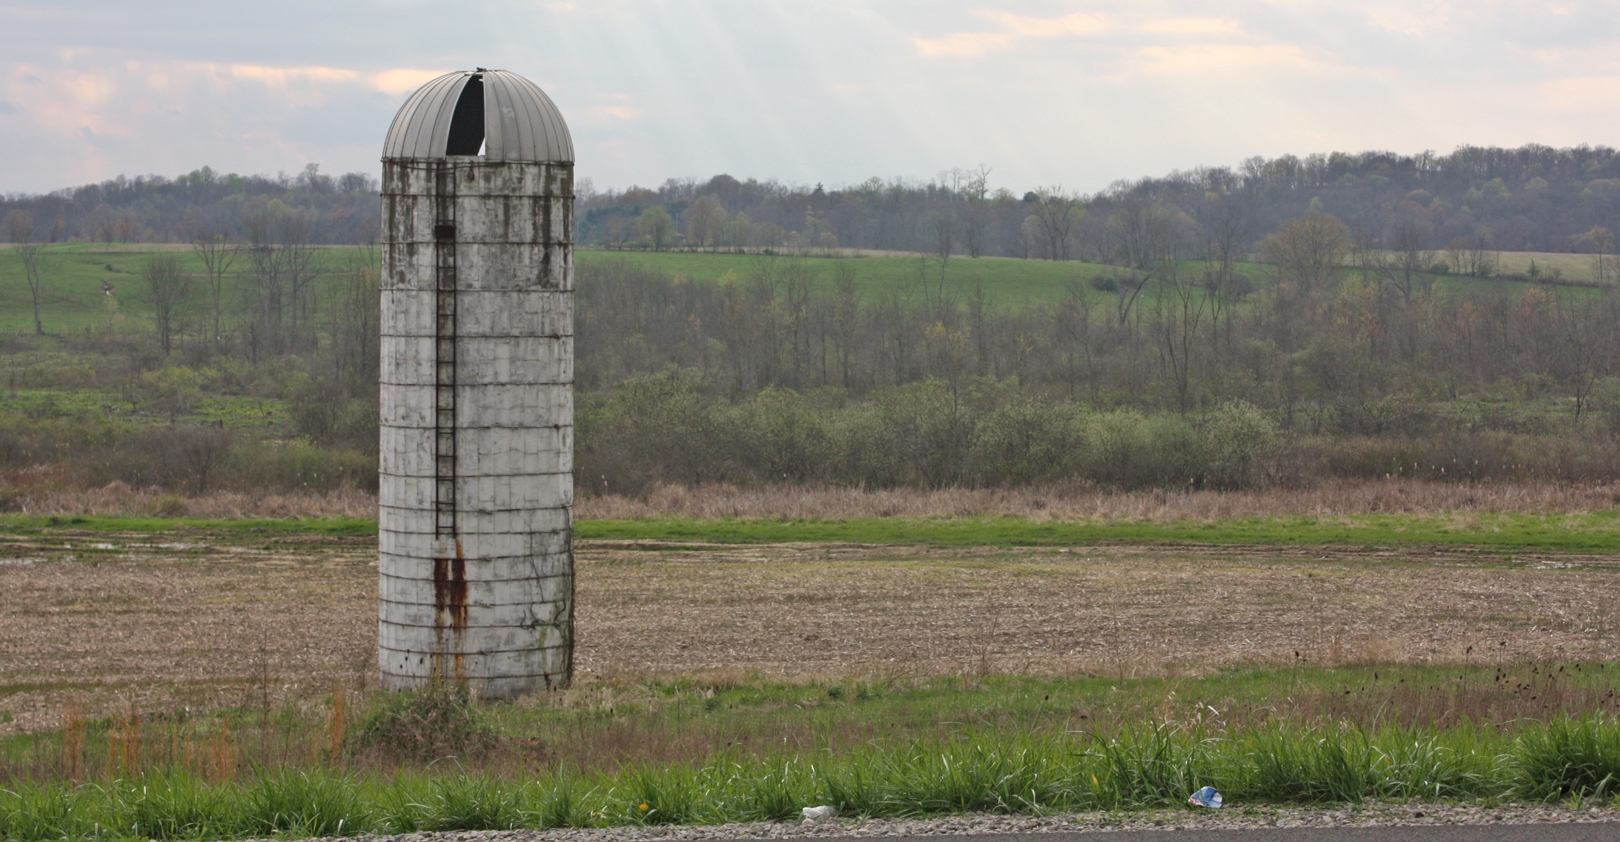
(1607, 832)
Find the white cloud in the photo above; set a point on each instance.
(1042, 90)
(1582, 94)
(402, 80)
(1012, 28)
(1220, 58)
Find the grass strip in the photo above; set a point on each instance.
(44, 524)
(1573, 759)
(1585, 532)
(1589, 532)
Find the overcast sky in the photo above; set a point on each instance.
(835, 91)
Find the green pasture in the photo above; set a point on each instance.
(1006, 281)
(1575, 268)
(75, 303)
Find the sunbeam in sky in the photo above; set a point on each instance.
(1078, 94)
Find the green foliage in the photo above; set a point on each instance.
(172, 806)
(40, 813)
(664, 427)
(650, 795)
(452, 803)
(1578, 757)
(301, 804)
(769, 791)
(1331, 764)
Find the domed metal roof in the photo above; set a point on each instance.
(506, 115)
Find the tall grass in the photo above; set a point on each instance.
(979, 770)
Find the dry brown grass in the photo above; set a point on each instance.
(120, 500)
(1083, 502)
(1075, 501)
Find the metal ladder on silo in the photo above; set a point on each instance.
(444, 349)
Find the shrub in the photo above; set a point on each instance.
(436, 721)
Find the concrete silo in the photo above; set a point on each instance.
(476, 567)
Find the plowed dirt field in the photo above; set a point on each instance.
(102, 620)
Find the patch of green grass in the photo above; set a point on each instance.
(1590, 532)
(325, 526)
(896, 748)
(1007, 280)
(240, 411)
(1151, 767)
(74, 302)
(1587, 532)
(54, 403)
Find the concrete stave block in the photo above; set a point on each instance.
(475, 638)
(514, 266)
(419, 664)
(408, 520)
(505, 313)
(525, 553)
(507, 493)
(480, 451)
(487, 628)
(532, 590)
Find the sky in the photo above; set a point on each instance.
(1068, 94)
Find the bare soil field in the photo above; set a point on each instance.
(99, 621)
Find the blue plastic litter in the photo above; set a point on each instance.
(1206, 797)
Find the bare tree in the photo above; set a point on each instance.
(1473, 255)
(170, 287)
(301, 262)
(1056, 213)
(846, 307)
(1601, 242)
(265, 298)
(218, 254)
(31, 252)
(942, 225)
(1178, 316)
(705, 220)
(1307, 250)
(1144, 238)
(1304, 252)
(1408, 246)
(1228, 227)
(656, 225)
(973, 188)
(356, 324)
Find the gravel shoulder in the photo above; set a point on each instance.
(1369, 814)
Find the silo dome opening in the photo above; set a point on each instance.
(494, 114)
(467, 126)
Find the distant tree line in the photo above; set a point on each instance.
(1533, 198)
(155, 209)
